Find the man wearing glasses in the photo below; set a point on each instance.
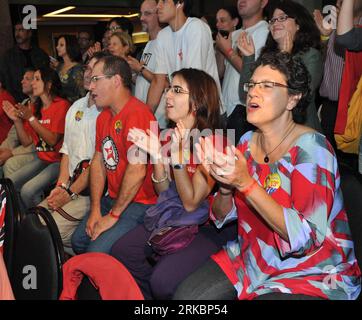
(67, 201)
(130, 189)
(146, 67)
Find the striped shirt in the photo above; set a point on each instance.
(333, 68)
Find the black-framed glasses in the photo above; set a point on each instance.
(176, 89)
(95, 79)
(279, 19)
(263, 85)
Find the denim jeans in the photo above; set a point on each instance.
(130, 218)
(31, 180)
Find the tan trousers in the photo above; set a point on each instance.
(77, 209)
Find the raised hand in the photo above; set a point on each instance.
(180, 150)
(246, 44)
(11, 111)
(229, 169)
(25, 112)
(287, 43)
(134, 64)
(222, 44)
(324, 28)
(146, 141)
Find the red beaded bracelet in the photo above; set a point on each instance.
(113, 215)
(249, 188)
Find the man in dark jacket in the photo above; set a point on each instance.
(16, 60)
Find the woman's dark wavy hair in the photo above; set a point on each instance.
(308, 35)
(204, 96)
(233, 13)
(51, 79)
(296, 75)
(72, 47)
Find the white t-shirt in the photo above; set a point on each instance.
(189, 47)
(230, 91)
(80, 132)
(143, 85)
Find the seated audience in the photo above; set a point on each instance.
(130, 190)
(41, 124)
(69, 195)
(5, 122)
(13, 155)
(192, 103)
(283, 186)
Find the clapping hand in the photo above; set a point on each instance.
(11, 111)
(246, 44)
(324, 28)
(229, 169)
(146, 141)
(287, 43)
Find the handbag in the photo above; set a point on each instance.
(172, 227)
(171, 239)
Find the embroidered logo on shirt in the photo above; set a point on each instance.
(272, 183)
(110, 154)
(118, 126)
(79, 116)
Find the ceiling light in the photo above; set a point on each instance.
(57, 14)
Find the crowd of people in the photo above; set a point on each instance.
(207, 166)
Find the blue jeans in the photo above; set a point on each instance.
(31, 180)
(130, 218)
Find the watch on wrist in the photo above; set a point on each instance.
(178, 166)
(72, 194)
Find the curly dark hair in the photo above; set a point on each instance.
(308, 35)
(48, 76)
(72, 47)
(297, 77)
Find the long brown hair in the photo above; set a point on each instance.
(204, 97)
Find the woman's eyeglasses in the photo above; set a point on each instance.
(263, 85)
(279, 19)
(176, 89)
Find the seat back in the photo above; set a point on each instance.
(12, 217)
(352, 194)
(38, 257)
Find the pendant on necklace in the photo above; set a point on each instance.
(266, 159)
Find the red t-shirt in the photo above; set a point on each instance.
(112, 143)
(5, 122)
(52, 118)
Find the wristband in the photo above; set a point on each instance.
(230, 52)
(142, 68)
(249, 188)
(159, 181)
(31, 119)
(113, 215)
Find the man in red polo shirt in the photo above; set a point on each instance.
(130, 189)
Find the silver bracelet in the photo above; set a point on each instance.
(159, 181)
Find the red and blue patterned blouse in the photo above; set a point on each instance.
(319, 258)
